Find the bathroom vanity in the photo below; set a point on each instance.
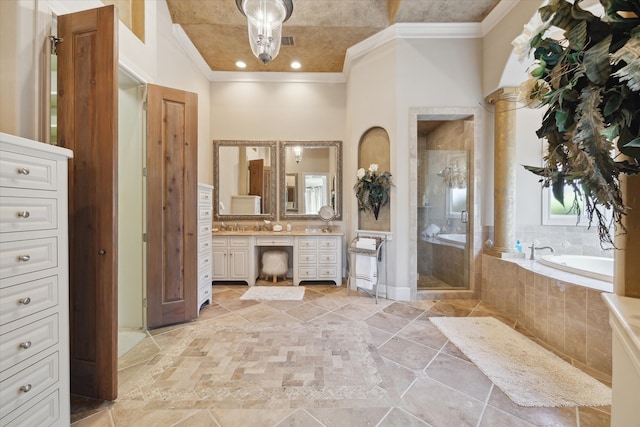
(313, 255)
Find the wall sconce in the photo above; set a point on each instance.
(297, 153)
(265, 18)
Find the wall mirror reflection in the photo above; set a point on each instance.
(245, 180)
(317, 167)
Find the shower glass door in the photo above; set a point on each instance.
(443, 209)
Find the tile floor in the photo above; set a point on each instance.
(331, 359)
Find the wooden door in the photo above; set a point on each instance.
(256, 176)
(172, 197)
(88, 125)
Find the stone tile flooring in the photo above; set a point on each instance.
(331, 359)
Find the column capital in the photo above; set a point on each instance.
(503, 94)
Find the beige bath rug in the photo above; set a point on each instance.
(274, 293)
(526, 372)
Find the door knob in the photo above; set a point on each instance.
(102, 252)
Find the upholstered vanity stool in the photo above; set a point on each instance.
(275, 262)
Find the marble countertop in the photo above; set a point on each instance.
(300, 232)
(626, 311)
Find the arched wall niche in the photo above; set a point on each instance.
(374, 148)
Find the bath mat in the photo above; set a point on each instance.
(274, 293)
(526, 372)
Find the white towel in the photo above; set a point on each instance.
(366, 266)
(366, 271)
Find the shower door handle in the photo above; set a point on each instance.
(464, 217)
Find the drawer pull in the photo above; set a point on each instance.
(26, 388)
(24, 301)
(23, 171)
(24, 258)
(25, 344)
(24, 214)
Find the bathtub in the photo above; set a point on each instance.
(460, 239)
(588, 266)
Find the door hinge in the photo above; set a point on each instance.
(144, 303)
(144, 237)
(55, 41)
(144, 106)
(144, 171)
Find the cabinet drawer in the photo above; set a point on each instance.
(306, 272)
(44, 412)
(28, 298)
(307, 244)
(204, 229)
(239, 242)
(204, 246)
(204, 277)
(326, 272)
(220, 242)
(22, 171)
(274, 241)
(27, 214)
(327, 257)
(327, 244)
(204, 198)
(28, 383)
(26, 256)
(205, 214)
(307, 257)
(24, 342)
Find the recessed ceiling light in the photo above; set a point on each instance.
(241, 64)
(295, 65)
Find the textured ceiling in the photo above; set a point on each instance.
(322, 30)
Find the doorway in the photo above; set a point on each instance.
(131, 211)
(443, 194)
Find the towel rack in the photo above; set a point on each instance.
(376, 253)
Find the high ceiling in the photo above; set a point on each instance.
(322, 30)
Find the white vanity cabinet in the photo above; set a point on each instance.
(205, 214)
(232, 259)
(34, 283)
(318, 258)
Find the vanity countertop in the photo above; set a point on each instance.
(251, 232)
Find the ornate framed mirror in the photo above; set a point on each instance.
(244, 174)
(318, 168)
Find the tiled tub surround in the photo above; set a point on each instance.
(555, 306)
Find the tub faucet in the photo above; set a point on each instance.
(534, 248)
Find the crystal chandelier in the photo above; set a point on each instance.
(265, 18)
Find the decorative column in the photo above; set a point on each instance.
(504, 170)
(627, 268)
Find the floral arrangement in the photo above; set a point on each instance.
(589, 81)
(372, 189)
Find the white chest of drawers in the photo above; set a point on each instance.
(34, 283)
(205, 211)
(318, 258)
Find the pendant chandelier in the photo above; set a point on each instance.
(265, 18)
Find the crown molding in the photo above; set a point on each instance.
(498, 14)
(276, 77)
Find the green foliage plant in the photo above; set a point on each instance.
(588, 79)
(372, 189)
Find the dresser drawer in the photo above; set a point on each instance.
(327, 243)
(326, 272)
(307, 257)
(205, 214)
(26, 256)
(28, 383)
(204, 198)
(306, 272)
(219, 242)
(27, 214)
(28, 298)
(204, 276)
(238, 242)
(274, 241)
(307, 244)
(21, 171)
(204, 246)
(22, 343)
(204, 229)
(327, 257)
(43, 412)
